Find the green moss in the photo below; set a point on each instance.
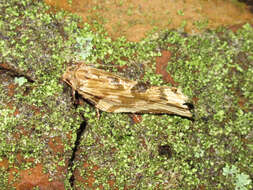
(209, 67)
(4, 183)
(214, 68)
(36, 44)
(204, 65)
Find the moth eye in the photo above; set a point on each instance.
(71, 69)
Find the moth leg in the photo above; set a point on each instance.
(74, 97)
(98, 113)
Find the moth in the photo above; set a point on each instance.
(112, 93)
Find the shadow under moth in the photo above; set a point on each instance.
(112, 93)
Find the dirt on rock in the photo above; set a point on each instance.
(133, 19)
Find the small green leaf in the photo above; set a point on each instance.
(20, 80)
(242, 180)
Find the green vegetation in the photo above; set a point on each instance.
(240, 180)
(214, 69)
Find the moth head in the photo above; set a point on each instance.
(69, 77)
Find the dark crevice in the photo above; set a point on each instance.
(249, 3)
(14, 73)
(79, 132)
(165, 150)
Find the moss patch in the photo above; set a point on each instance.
(39, 122)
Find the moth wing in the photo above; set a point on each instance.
(111, 93)
(151, 101)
